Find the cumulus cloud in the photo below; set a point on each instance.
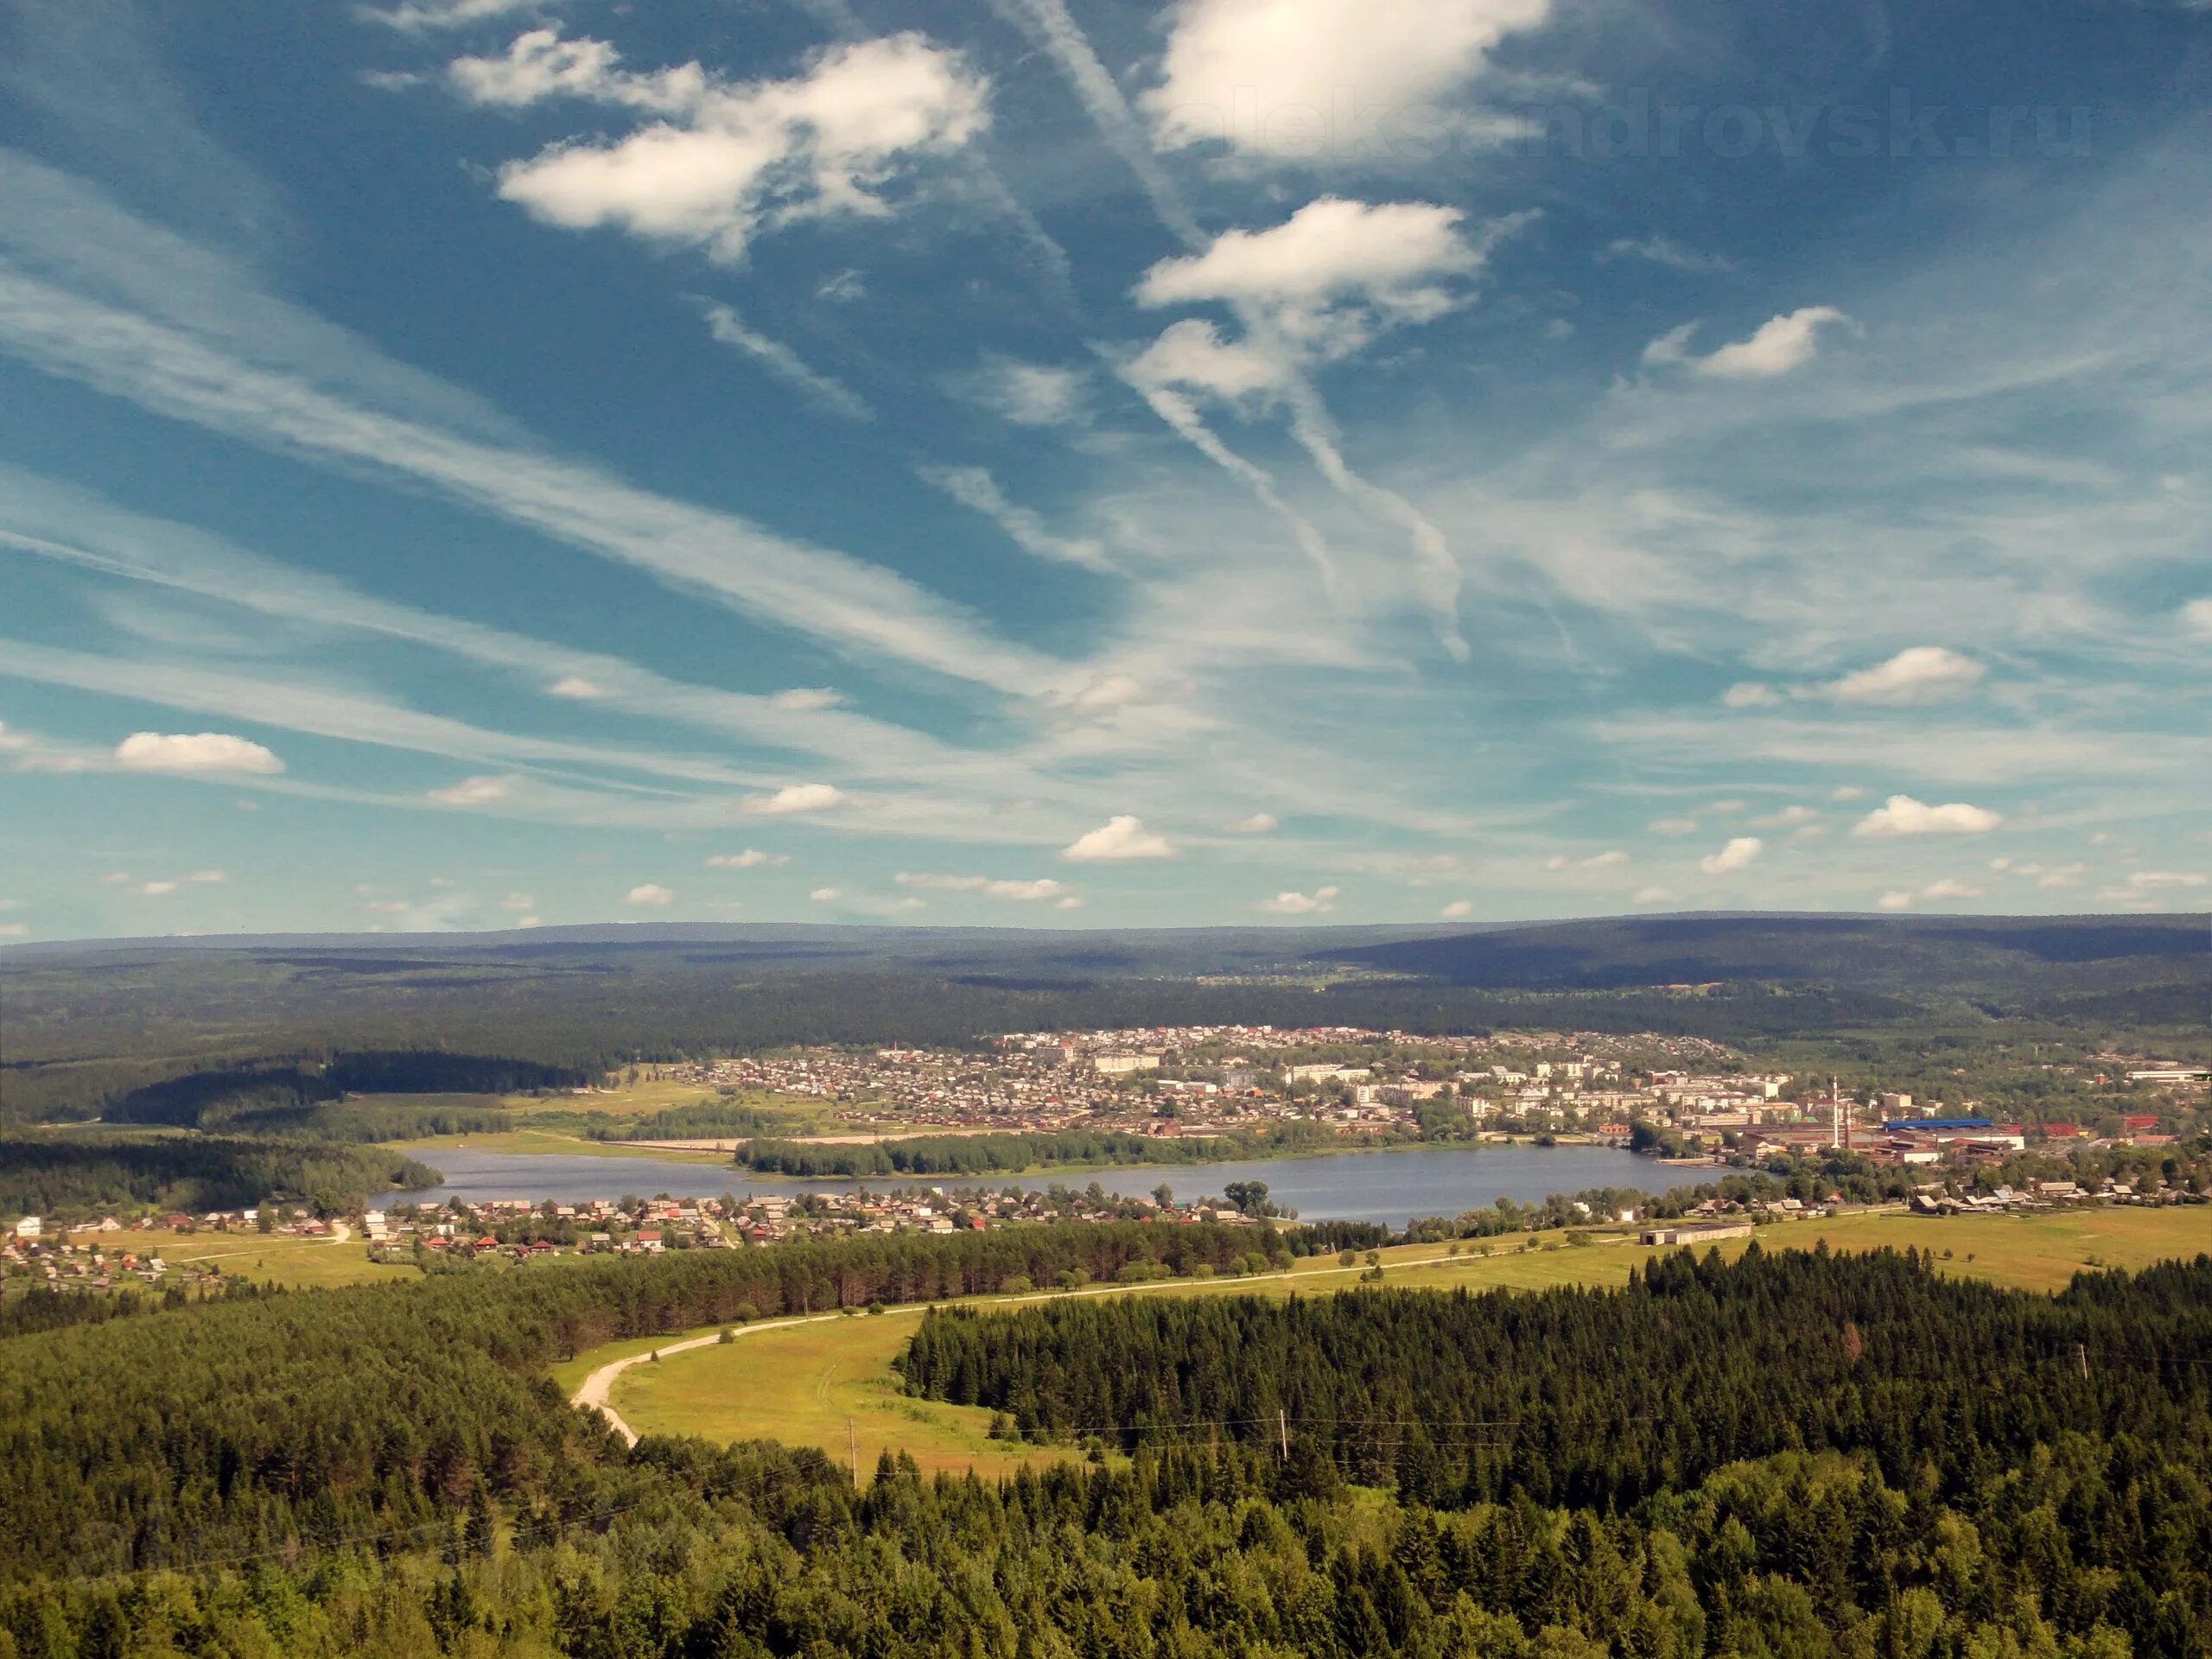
(1019, 891)
(716, 160)
(13, 930)
(1458, 911)
(1777, 346)
(2144, 881)
(1120, 837)
(1260, 823)
(1740, 853)
(648, 893)
(1896, 898)
(1903, 816)
(194, 752)
(1334, 272)
(751, 858)
(1272, 79)
(786, 365)
(975, 488)
(576, 686)
(826, 895)
(797, 797)
(157, 889)
(1655, 895)
(1191, 355)
(1027, 394)
(2197, 617)
(1594, 861)
(1918, 674)
(475, 791)
(1318, 902)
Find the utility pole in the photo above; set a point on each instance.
(1282, 1428)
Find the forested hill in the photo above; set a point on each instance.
(1823, 1458)
(2010, 960)
(87, 1026)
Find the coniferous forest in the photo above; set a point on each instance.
(1797, 1455)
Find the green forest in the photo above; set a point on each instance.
(1797, 1455)
(44, 1175)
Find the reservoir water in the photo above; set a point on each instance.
(1390, 1187)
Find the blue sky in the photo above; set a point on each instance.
(472, 463)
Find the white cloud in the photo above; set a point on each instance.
(2197, 617)
(420, 17)
(1750, 694)
(1027, 394)
(517, 902)
(806, 699)
(1672, 826)
(786, 365)
(648, 893)
(1655, 895)
(1334, 272)
(1918, 674)
(719, 160)
(974, 486)
(1193, 354)
(1458, 911)
(1316, 903)
(797, 797)
(157, 889)
(1725, 807)
(868, 904)
(2142, 880)
(13, 930)
(1846, 792)
(1260, 823)
(2050, 877)
(1778, 346)
(194, 752)
(1662, 251)
(1739, 854)
(1020, 891)
(1896, 898)
(475, 791)
(1273, 80)
(1903, 816)
(1119, 837)
(529, 921)
(1950, 887)
(751, 858)
(576, 686)
(1788, 818)
(209, 878)
(827, 895)
(1594, 861)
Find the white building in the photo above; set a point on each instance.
(29, 1227)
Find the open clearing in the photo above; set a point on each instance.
(829, 1382)
(297, 1263)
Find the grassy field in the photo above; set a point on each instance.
(529, 1141)
(299, 1263)
(828, 1383)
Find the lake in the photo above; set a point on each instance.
(1390, 1187)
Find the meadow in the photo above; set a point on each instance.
(829, 1382)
